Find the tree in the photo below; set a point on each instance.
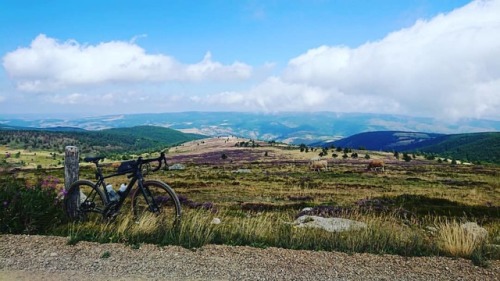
(396, 154)
(302, 147)
(367, 156)
(223, 156)
(406, 157)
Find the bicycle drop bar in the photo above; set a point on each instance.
(160, 159)
(140, 161)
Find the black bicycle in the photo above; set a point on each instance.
(86, 199)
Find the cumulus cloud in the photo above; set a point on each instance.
(446, 66)
(275, 95)
(48, 64)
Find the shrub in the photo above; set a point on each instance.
(29, 210)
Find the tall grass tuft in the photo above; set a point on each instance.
(453, 240)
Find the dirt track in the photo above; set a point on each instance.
(50, 258)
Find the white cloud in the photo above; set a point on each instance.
(448, 66)
(276, 95)
(47, 65)
(445, 67)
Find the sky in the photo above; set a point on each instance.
(425, 58)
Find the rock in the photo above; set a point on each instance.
(307, 209)
(242, 171)
(177, 167)
(478, 233)
(216, 221)
(329, 224)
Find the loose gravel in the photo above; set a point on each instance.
(24, 257)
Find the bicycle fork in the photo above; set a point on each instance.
(152, 206)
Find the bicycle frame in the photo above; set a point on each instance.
(112, 207)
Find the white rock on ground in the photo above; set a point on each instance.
(479, 233)
(328, 224)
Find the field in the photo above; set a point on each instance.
(257, 188)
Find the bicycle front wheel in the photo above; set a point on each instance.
(157, 198)
(84, 201)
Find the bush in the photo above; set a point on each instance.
(29, 210)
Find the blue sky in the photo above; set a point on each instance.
(415, 57)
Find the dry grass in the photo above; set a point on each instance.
(454, 240)
(275, 179)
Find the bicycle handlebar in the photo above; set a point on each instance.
(160, 159)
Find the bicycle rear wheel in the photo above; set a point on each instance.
(158, 198)
(84, 201)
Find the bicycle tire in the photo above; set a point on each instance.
(90, 207)
(165, 197)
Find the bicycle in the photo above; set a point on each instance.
(86, 199)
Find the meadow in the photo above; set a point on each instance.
(257, 189)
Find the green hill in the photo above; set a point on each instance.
(385, 140)
(472, 147)
(482, 147)
(105, 142)
(153, 133)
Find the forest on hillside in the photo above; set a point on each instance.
(105, 142)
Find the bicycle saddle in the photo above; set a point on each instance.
(93, 159)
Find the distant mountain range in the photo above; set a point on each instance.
(293, 127)
(313, 131)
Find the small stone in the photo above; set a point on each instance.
(53, 254)
(216, 221)
(477, 232)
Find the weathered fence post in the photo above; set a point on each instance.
(71, 170)
(71, 167)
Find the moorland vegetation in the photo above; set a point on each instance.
(250, 194)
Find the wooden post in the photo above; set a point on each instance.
(71, 170)
(71, 167)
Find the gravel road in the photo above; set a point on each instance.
(24, 257)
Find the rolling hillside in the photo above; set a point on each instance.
(121, 140)
(385, 140)
(468, 147)
(473, 147)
